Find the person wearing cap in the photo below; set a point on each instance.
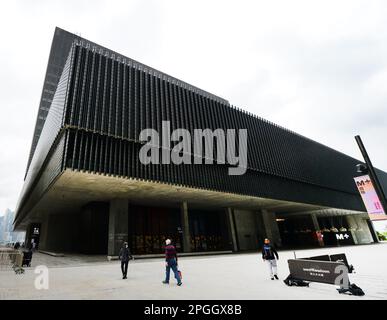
(270, 255)
(124, 256)
(171, 262)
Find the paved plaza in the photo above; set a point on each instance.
(229, 276)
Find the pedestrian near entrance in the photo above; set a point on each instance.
(33, 245)
(171, 262)
(270, 255)
(124, 256)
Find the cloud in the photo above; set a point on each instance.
(316, 67)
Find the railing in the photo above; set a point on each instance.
(11, 259)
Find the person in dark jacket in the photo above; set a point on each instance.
(270, 255)
(124, 256)
(171, 262)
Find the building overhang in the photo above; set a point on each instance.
(73, 189)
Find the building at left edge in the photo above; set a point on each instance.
(85, 189)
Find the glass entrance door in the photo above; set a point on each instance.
(208, 230)
(149, 227)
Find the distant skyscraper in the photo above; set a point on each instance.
(7, 234)
(1, 228)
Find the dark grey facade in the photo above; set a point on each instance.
(95, 103)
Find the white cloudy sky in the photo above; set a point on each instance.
(316, 67)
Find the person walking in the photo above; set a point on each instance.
(270, 255)
(16, 246)
(171, 262)
(124, 256)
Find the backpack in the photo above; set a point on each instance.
(353, 289)
(289, 281)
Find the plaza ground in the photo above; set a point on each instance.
(229, 276)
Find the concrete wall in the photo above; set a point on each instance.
(60, 233)
(94, 223)
(43, 233)
(246, 229)
(231, 229)
(87, 231)
(185, 227)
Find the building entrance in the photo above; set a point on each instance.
(297, 231)
(208, 231)
(149, 227)
(33, 236)
(300, 231)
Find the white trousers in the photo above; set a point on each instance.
(272, 266)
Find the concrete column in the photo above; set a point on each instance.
(231, 229)
(62, 230)
(246, 229)
(260, 227)
(352, 224)
(316, 227)
(185, 227)
(43, 233)
(271, 227)
(118, 225)
(27, 241)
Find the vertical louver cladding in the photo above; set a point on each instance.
(47, 161)
(91, 152)
(118, 99)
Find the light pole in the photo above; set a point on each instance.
(368, 168)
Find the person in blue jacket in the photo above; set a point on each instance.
(270, 255)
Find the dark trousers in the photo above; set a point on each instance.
(124, 267)
(171, 264)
